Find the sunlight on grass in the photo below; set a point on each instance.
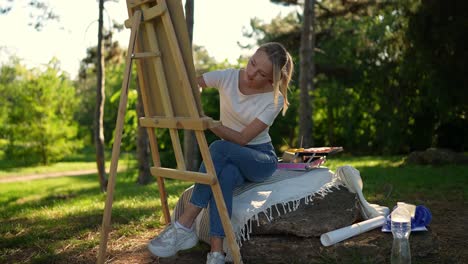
(64, 214)
(57, 219)
(358, 162)
(387, 180)
(60, 166)
(126, 161)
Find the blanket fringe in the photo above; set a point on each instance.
(243, 234)
(290, 206)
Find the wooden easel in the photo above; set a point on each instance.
(159, 42)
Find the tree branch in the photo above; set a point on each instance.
(352, 8)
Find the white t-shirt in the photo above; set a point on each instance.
(238, 110)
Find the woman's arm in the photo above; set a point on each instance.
(243, 137)
(226, 133)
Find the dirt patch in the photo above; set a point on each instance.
(448, 225)
(126, 250)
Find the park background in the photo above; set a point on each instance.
(388, 81)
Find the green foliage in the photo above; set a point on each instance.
(437, 72)
(379, 89)
(114, 79)
(37, 114)
(389, 77)
(86, 87)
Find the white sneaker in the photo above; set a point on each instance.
(215, 258)
(171, 240)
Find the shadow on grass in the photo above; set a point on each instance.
(70, 235)
(9, 165)
(58, 194)
(83, 156)
(51, 236)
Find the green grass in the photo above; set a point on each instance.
(54, 219)
(83, 161)
(57, 220)
(387, 180)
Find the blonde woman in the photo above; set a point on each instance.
(250, 100)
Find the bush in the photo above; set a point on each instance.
(37, 106)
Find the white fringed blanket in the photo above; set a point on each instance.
(284, 188)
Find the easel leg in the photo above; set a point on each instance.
(118, 140)
(157, 163)
(218, 195)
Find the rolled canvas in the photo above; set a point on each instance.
(341, 234)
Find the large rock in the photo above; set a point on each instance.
(337, 208)
(294, 237)
(434, 156)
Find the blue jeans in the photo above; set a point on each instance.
(234, 165)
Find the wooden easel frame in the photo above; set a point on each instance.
(172, 114)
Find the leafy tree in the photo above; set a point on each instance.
(86, 90)
(435, 69)
(39, 107)
(86, 83)
(389, 73)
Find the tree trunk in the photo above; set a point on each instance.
(189, 9)
(143, 148)
(100, 98)
(191, 154)
(306, 75)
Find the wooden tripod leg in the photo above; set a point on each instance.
(157, 163)
(150, 132)
(219, 199)
(226, 221)
(118, 140)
